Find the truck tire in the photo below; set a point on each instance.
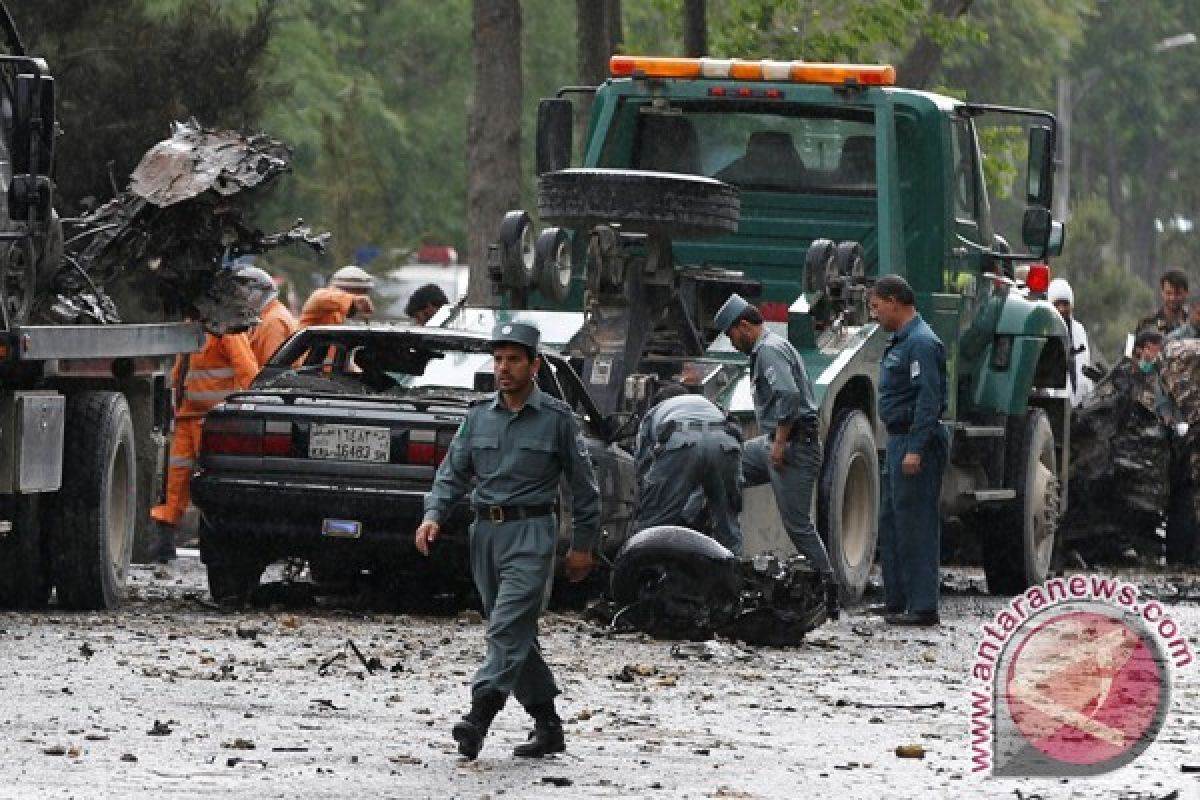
(24, 570)
(553, 271)
(233, 569)
(93, 514)
(649, 202)
(1018, 544)
(848, 501)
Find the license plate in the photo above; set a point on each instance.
(341, 528)
(350, 443)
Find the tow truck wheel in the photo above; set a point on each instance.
(1018, 545)
(848, 502)
(648, 202)
(92, 518)
(24, 573)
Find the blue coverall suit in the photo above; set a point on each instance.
(517, 460)
(782, 393)
(683, 445)
(912, 398)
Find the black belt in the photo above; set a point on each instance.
(505, 513)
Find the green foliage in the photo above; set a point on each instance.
(1109, 299)
(123, 75)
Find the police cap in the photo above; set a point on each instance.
(729, 313)
(521, 333)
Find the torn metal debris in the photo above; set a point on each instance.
(158, 249)
(675, 583)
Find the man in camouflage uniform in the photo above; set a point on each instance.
(1174, 288)
(1181, 381)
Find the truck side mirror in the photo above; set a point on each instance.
(555, 120)
(1035, 230)
(1039, 181)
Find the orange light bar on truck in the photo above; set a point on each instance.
(738, 70)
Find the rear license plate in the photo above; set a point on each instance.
(341, 528)
(350, 443)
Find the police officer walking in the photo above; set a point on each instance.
(517, 446)
(788, 453)
(685, 445)
(912, 398)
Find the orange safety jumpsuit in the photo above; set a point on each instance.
(328, 306)
(276, 327)
(201, 380)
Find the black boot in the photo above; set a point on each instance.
(164, 542)
(547, 736)
(833, 603)
(470, 730)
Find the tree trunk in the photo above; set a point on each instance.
(493, 132)
(919, 64)
(593, 43)
(616, 28)
(695, 29)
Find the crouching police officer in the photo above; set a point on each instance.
(685, 445)
(788, 453)
(912, 398)
(517, 445)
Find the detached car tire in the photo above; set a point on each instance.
(93, 515)
(651, 202)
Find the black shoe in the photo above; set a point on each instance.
(546, 736)
(542, 742)
(919, 619)
(164, 543)
(833, 602)
(882, 610)
(471, 729)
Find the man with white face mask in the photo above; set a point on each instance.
(1063, 298)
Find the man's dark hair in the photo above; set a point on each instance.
(1176, 277)
(894, 287)
(751, 315)
(1147, 337)
(428, 295)
(668, 391)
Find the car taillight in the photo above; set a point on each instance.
(428, 448)
(246, 437)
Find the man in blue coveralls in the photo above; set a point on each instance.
(517, 445)
(685, 445)
(912, 398)
(787, 454)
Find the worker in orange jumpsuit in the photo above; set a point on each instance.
(345, 296)
(201, 380)
(276, 324)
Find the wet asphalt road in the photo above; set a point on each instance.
(174, 699)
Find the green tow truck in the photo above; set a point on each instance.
(799, 183)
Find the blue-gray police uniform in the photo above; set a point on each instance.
(517, 460)
(782, 394)
(912, 398)
(684, 445)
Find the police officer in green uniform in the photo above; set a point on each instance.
(517, 446)
(912, 399)
(787, 454)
